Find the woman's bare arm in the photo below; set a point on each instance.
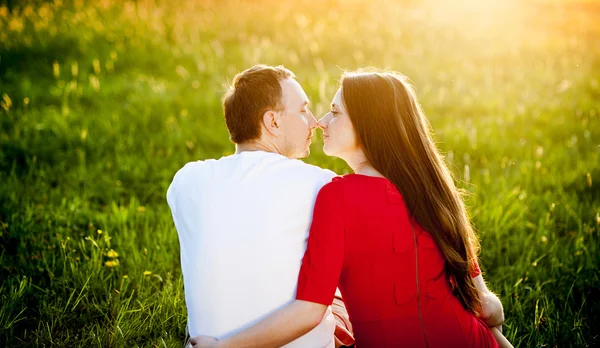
(500, 339)
(276, 330)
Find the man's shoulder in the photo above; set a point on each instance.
(313, 171)
(187, 168)
(193, 170)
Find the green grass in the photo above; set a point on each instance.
(102, 103)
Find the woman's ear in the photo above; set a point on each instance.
(271, 121)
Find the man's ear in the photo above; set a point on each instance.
(271, 121)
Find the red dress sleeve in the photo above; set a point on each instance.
(324, 258)
(475, 271)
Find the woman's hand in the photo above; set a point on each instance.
(491, 308)
(203, 342)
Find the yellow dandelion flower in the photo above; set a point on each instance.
(28, 11)
(99, 231)
(94, 82)
(26, 101)
(125, 276)
(112, 254)
(112, 263)
(56, 69)
(44, 11)
(6, 102)
(74, 69)
(147, 273)
(96, 64)
(3, 11)
(16, 24)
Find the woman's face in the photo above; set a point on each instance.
(339, 137)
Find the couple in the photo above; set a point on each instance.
(394, 237)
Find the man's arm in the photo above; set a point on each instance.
(276, 330)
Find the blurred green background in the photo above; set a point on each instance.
(103, 101)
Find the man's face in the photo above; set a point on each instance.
(297, 122)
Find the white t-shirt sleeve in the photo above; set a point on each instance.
(171, 197)
(328, 175)
(180, 180)
(324, 177)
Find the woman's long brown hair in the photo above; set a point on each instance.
(396, 139)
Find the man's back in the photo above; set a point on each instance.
(243, 221)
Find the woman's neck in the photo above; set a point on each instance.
(367, 169)
(360, 165)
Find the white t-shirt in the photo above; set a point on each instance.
(243, 223)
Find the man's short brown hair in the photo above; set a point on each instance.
(253, 92)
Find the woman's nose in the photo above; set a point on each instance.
(323, 122)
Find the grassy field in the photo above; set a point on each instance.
(102, 102)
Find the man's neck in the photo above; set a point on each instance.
(255, 146)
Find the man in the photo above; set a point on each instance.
(243, 220)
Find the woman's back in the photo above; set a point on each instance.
(373, 245)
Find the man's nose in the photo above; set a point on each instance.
(312, 122)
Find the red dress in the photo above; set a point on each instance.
(361, 240)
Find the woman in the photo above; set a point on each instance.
(394, 237)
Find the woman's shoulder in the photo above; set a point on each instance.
(340, 183)
(359, 179)
(357, 188)
(334, 187)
